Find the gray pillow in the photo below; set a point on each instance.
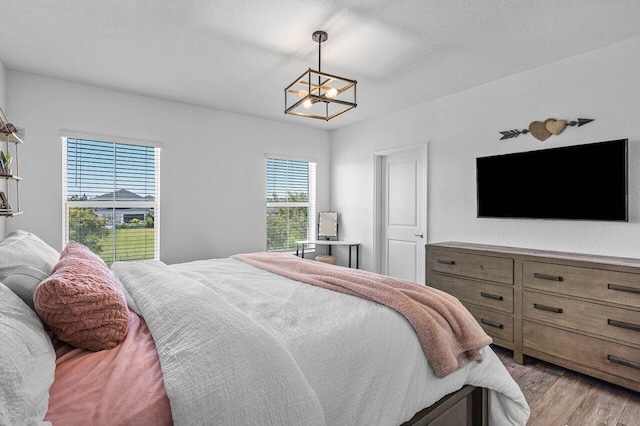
(27, 362)
(25, 259)
(23, 281)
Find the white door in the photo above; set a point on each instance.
(403, 215)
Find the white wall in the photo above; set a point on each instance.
(3, 104)
(212, 162)
(603, 85)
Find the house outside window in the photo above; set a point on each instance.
(111, 198)
(291, 202)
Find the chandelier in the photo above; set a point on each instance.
(317, 94)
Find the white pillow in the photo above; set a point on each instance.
(27, 362)
(23, 281)
(25, 259)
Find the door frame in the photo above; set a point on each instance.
(377, 195)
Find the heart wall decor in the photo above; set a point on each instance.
(542, 130)
(539, 130)
(555, 127)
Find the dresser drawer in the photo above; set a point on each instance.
(495, 324)
(489, 268)
(479, 293)
(615, 287)
(611, 358)
(616, 323)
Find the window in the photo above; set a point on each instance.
(291, 203)
(111, 198)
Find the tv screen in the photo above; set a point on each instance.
(584, 182)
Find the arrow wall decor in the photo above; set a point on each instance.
(541, 130)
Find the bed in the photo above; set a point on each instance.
(220, 341)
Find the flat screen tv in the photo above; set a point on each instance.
(581, 182)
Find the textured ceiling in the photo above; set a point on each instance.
(239, 55)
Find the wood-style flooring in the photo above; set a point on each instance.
(559, 397)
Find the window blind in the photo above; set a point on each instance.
(290, 203)
(111, 198)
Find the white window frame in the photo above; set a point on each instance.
(311, 204)
(66, 204)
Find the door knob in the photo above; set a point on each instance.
(419, 235)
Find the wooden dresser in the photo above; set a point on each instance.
(575, 310)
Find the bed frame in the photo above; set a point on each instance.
(467, 407)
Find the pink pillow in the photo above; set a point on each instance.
(82, 301)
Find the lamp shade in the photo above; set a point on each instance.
(316, 94)
(328, 95)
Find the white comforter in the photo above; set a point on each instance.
(239, 345)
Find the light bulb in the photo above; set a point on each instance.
(303, 93)
(307, 104)
(331, 93)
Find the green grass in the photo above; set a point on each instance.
(132, 243)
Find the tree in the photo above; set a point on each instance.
(149, 219)
(85, 227)
(286, 225)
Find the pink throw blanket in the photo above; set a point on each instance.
(449, 335)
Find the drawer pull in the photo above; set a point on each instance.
(635, 290)
(491, 323)
(548, 277)
(547, 308)
(446, 262)
(623, 324)
(491, 296)
(623, 361)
